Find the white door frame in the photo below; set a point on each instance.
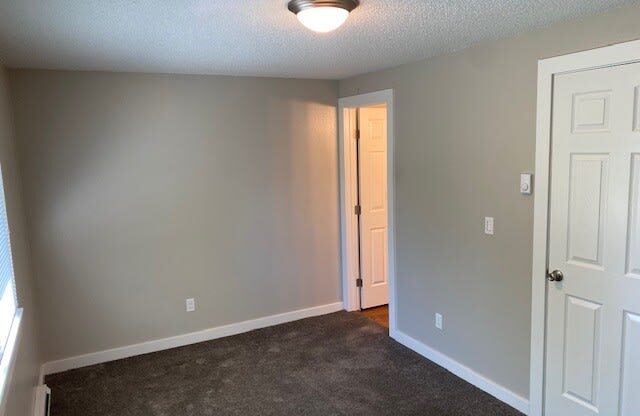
(619, 54)
(348, 225)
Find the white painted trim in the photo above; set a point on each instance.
(619, 54)
(8, 361)
(65, 364)
(349, 289)
(496, 390)
(349, 223)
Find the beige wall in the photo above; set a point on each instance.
(144, 190)
(465, 130)
(27, 365)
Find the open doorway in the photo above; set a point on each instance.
(366, 145)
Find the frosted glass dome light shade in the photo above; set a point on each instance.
(323, 19)
(322, 16)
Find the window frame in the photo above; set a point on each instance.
(8, 360)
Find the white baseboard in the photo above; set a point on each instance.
(464, 372)
(460, 370)
(65, 364)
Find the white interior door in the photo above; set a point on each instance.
(373, 202)
(593, 315)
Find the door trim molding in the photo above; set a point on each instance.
(348, 242)
(618, 54)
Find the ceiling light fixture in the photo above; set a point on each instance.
(322, 15)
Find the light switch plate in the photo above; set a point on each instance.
(439, 321)
(526, 183)
(488, 225)
(191, 304)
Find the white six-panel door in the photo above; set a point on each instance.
(593, 315)
(373, 201)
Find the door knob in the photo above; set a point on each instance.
(555, 276)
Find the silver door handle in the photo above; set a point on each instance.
(555, 276)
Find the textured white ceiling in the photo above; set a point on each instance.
(258, 37)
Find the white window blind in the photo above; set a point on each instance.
(7, 281)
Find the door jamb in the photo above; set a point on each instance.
(349, 289)
(612, 55)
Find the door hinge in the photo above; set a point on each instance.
(357, 210)
(358, 282)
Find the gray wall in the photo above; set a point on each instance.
(465, 130)
(144, 190)
(27, 365)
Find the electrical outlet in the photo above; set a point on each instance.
(439, 322)
(191, 305)
(489, 225)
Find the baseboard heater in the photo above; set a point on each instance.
(42, 405)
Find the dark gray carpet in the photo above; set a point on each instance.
(338, 364)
